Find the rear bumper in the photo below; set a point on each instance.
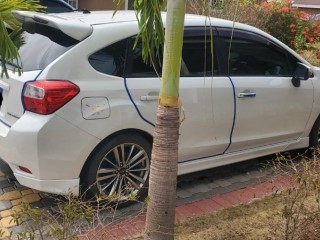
(62, 186)
(53, 149)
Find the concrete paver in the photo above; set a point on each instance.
(31, 198)
(16, 202)
(26, 192)
(4, 232)
(10, 196)
(181, 193)
(4, 205)
(5, 183)
(6, 213)
(8, 222)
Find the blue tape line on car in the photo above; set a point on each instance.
(9, 126)
(134, 104)
(24, 85)
(234, 112)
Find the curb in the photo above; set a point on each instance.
(134, 226)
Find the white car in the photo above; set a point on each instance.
(83, 111)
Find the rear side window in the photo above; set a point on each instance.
(38, 51)
(136, 67)
(199, 55)
(111, 59)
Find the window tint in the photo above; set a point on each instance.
(250, 56)
(110, 60)
(55, 6)
(199, 56)
(38, 51)
(137, 67)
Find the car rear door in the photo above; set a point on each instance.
(206, 96)
(269, 109)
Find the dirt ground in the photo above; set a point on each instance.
(260, 219)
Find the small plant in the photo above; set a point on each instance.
(65, 222)
(67, 219)
(301, 204)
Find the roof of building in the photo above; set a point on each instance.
(306, 3)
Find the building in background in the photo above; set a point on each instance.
(97, 4)
(311, 7)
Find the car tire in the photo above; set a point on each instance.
(119, 170)
(314, 136)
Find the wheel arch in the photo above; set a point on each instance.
(313, 132)
(133, 131)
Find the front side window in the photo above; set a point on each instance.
(251, 55)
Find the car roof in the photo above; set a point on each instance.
(80, 24)
(106, 17)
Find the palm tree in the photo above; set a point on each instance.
(164, 159)
(10, 30)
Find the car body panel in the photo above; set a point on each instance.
(201, 117)
(278, 113)
(12, 108)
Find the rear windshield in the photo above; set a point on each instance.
(38, 51)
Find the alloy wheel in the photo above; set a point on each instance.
(123, 171)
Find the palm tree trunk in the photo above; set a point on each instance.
(163, 175)
(164, 159)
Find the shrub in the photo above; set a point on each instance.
(312, 54)
(290, 25)
(280, 19)
(301, 204)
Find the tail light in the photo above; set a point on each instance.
(46, 97)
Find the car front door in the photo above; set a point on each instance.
(208, 111)
(269, 109)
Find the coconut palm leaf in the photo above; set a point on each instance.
(10, 31)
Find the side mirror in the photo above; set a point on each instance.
(302, 72)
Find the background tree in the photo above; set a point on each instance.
(10, 30)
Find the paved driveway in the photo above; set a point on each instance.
(191, 188)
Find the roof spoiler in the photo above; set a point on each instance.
(71, 27)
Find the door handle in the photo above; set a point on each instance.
(152, 96)
(246, 95)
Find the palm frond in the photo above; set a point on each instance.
(151, 27)
(9, 42)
